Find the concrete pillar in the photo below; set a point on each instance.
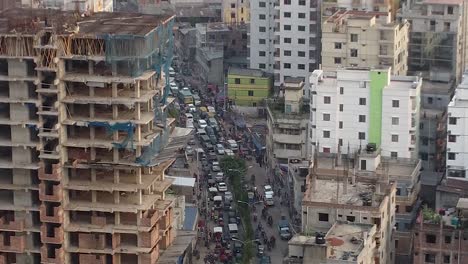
(116, 176)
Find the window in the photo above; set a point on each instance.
(350, 218)
(262, 41)
(446, 258)
(262, 4)
(301, 66)
(262, 65)
(429, 100)
(362, 101)
(301, 53)
(252, 81)
(337, 60)
(395, 121)
(287, 27)
(326, 150)
(354, 53)
(451, 156)
(452, 120)
(287, 65)
(340, 141)
(262, 29)
(341, 107)
(287, 40)
(286, 52)
(251, 93)
(337, 45)
(287, 2)
(287, 14)
(448, 239)
(301, 28)
(327, 100)
(362, 118)
(237, 80)
(361, 135)
(301, 15)
(450, 10)
(261, 17)
(394, 138)
(302, 2)
(323, 217)
(326, 117)
(233, 5)
(430, 238)
(301, 41)
(326, 134)
(354, 38)
(340, 125)
(394, 154)
(452, 138)
(262, 53)
(341, 90)
(395, 103)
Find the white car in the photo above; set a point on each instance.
(189, 151)
(222, 187)
(191, 108)
(220, 149)
(228, 196)
(202, 123)
(229, 152)
(268, 190)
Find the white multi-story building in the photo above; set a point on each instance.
(457, 132)
(81, 6)
(361, 106)
(297, 38)
(262, 35)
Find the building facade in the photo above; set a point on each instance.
(262, 35)
(457, 144)
(364, 39)
(297, 39)
(248, 87)
(387, 6)
(86, 135)
(287, 126)
(437, 38)
(362, 106)
(235, 11)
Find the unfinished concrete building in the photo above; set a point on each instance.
(84, 138)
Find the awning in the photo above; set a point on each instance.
(183, 181)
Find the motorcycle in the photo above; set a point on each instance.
(270, 221)
(255, 217)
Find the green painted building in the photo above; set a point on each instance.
(248, 87)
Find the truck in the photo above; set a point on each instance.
(283, 229)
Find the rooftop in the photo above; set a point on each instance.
(443, 2)
(247, 72)
(347, 240)
(430, 87)
(31, 21)
(354, 14)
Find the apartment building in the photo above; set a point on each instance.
(343, 243)
(440, 237)
(364, 39)
(262, 35)
(287, 121)
(71, 5)
(328, 200)
(235, 11)
(297, 39)
(359, 106)
(85, 138)
(437, 38)
(248, 88)
(332, 6)
(457, 144)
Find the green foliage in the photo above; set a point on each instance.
(430, 215)
(173, 113)
(234, 168)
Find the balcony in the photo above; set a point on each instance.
(49, 172)
(12, 243)
(92, 241)
(50, 193)
(51, 255)
(51, 214)
(148, 239)
(11, 225)
(150, 218)
(51, 235)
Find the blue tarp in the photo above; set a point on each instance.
(191, 213)
(110, 129)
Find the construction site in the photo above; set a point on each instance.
(84, 137)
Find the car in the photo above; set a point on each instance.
(219, 177)
(267, 189)
(215, 168)
(228, 196)
(229, 152)
(265, 260)
(220, 149)
(192, 142)
(222, 187)
(191, 108)
(189, 151)
(201, 123)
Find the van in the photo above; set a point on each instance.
(269, 199)
(233, 230)
(196, 100)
